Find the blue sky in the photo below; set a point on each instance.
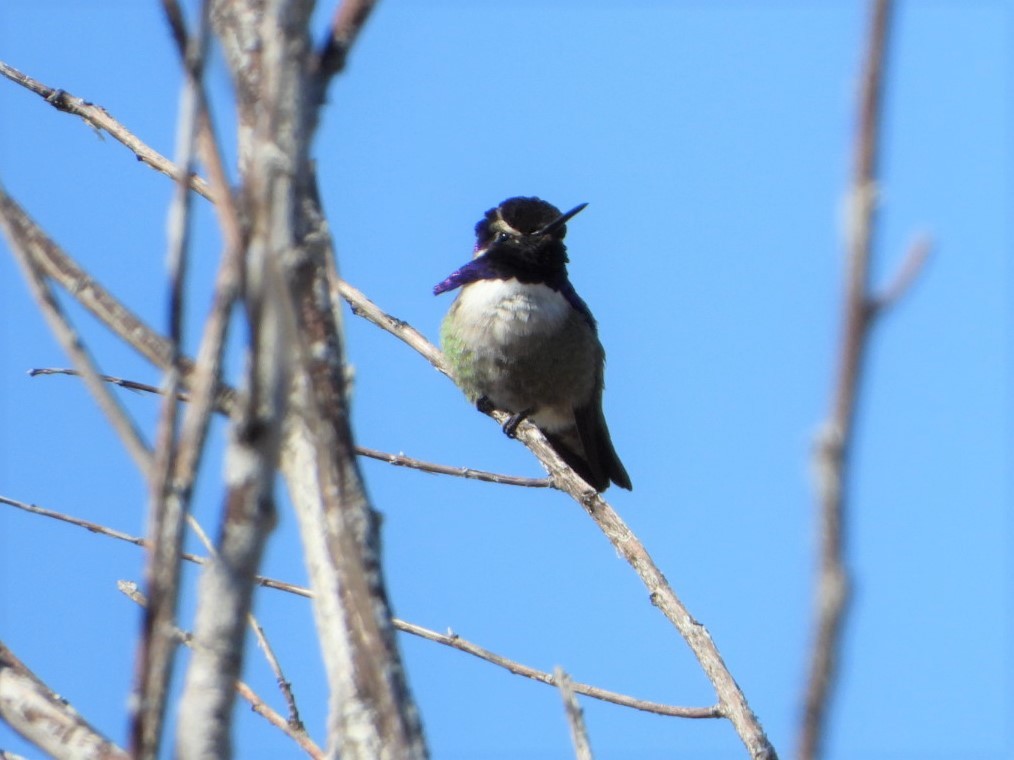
(713, 143)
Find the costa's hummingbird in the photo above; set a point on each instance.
(520, 339)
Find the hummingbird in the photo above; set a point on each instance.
(519, 338)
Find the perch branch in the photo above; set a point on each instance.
(732, 702)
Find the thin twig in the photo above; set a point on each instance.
(296, 733)
(911, 267)
(575, 715)
(99, 118)
(454, 641)
(448, 639)
(834, 442)
(398, 460)
(131, 385)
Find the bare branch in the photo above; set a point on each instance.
(98, 118)
(911, 266)
(575, 716)
(168, 489)
(371, 712)
(42, 717)
(364, 307)
(834, 441)
(226, 587)
(55, 264)
(454, 641)
(262, 640)
(295, 732)
(398, 460)
(346, 23)
(448, 639)
(130, 385)
(24, 235)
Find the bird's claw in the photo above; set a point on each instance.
(510, 427)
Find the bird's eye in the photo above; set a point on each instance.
(502, 237)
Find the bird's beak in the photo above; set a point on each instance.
(561, 220)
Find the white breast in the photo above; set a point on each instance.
(505, 311)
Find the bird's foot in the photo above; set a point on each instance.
(484, 405)
(510, 427)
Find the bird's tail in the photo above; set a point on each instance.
(588, 449)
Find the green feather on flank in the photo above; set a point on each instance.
(460, 359)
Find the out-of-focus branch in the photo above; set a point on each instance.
(53, 262)
(295, 732)
(24, 237)
(238, 25)
(262, 640)
(909, 270)
(248, 515)
(346, 23)
(575, 715)
(448, 639)
(169, 488)
(371, 712)
(834, 442)
(130, 385)
(45, 719)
